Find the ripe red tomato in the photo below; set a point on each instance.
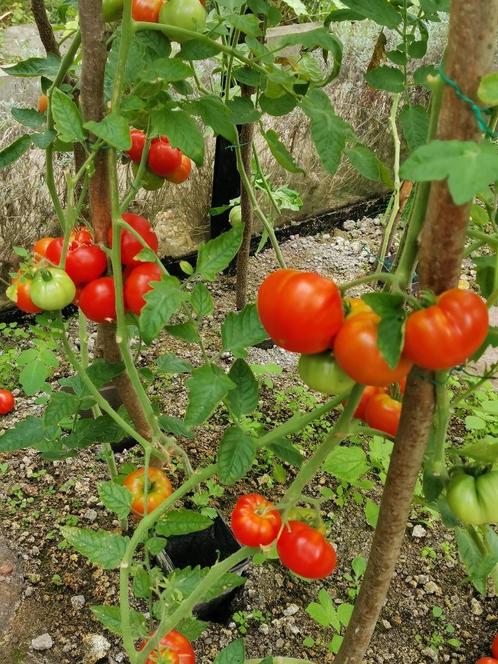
(174, 648)
(84, 262)
(7, 402)
(383, 413)
(146, 10)
(181, 173)
(301, 311)
(81, 235)
(163, 159)
(41, 246)
(494, 647)
(357, 353)
(20, 293)
(255, 521)
(42, 103)
(487, 660)
(97, 300)
(138, 284)
(368, 393)
(130, 246)
(159, 489)
(447, 333)
(138, 140)
(305, 551)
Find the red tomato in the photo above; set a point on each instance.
(146, 10)
(97, 300)
(130, 246)
(138, 284)
(174, 648)
(301, 311)
(357, 353)
(487, 660)
(163, 159)
(138, 140)
(42, 103)
(402, 385)
(159, 489)
(181, 173)
(19, 292)
(447, 333)
(41, 246)
(383, 413)
(305, 551)
(255, 521)
(494, 647)
(7, 402)
(81, 235)
(84, 262)
(368, 393)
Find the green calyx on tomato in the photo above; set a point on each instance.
(52, 289)
(472, 495)
(321, 372)
(112, 9)
(149, 181)
(185, 14)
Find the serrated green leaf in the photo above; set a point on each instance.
(86, 432)
(162, 301)
(195, 49)
(100, 547)
(242, 111)
(141, 584)
(280, 152)
(182, 522)
(113, 130)
(115, 498)
(172, 364)
(28, 117)
(485, 272)
(242, 329)
(236, 454)
(366, 162)
(380, 11)
(371, 513)
(246, 23)
(414, 122)
(34, 67)
(216, 115)
(185, 331)
(182, 132)
(217, 254)
(192, 628)
(167, 70)
(286, 451)
(67, 118)
(346, 463)
(14, 151)
(244, 399)
(201, 300)
(43, 139)
(110, 618)
(234, 653)
(277, 106)
(155, 545)
(386, 78)
(175, 425)
(30, 432)
(484, 451)
(60, 406)
(207, 388)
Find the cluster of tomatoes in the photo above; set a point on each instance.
(494, 652)
(301, 548)
(164, 162)
(303, 312)
(186, 14)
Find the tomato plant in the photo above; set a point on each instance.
(146, 10)
(84, 262)
(7, 402)
(473, 496)
(174, 648)
(97, 300)
(289, 299)
(305, 551)
(447, 333)
(52, 289)
(321, 373)
(138, 283)
(130, 246)
(255, 521)
(186, 14)
(158, 490)
(163, 159)
(358, 354)
(182, 172)
(383, 412)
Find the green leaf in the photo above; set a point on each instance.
(491, 340)
(100, 547)
(346, 463)
(390, 331)
(286, 451)
(216, 115)
(172, 364)
(43, 139)
(366, 162)
(277, 106)
(471, 558)
(414, 122)
(34, 67)
(33, 377)
(485, 273)
(185, 331)
(298, 7)
(155, 545)
(234, 653)
(319, 614)
(344, 611)
(167, 70)
(175, 425)
(217, 254)
(115, 498)
(280, 152)
(328, 130)
(14, 151)
(30, 432)
(207, 387)
(86, 432)
(242, 329)
(67, 118)
(235, 456)
(60, 406)
(242, 111)
(246, 23)
(479, 215)
(201, 301)
(192, 628)
(141, 584)
(371, 513)
(182, 522)
(162, 301)
(195, 49)
(420, 75)
(338, 15)
(488, 89)
(28, 117)
(182, 132)
(318, 38)
(484, 450)
(380, 11)
(386, 78)
(469, 166)
(113, 130)
(110, 617)
(244, 399)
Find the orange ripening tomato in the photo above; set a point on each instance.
(42, 103)
(447, 333)
(41, 246)
(158, 490)
(383, 413)
(174, 648)
(146, 10)
(20, 293)
(182, 172)
(368, 393)
(358, 354)
(301, 311)
(355, 305)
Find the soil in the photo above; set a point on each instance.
(430, 601)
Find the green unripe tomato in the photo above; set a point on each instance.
(322, 373)
(474, 499)
(52, 289)
(150, 181)
(112, 10)
(235, 216)
(186, 14)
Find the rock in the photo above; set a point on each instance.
(264, 628)
(43, 642)
(476, 607)
(96, 647)
(419, 531)
(386, 624)
(90, 515)
(349, 225)
(78, 602)
(432, 588)
(291, 610)
(431, 653)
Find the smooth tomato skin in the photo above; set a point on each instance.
(320, 372)
(357, 353)
(163, 159)
(474, 500)
(235, 216)
(97, 300)
(174, 648)
(138, 284)
(112, 9)
(84, 262)
(305, 551)
(447, 333)
(40, 247)
(52, 289)
(7, 402)
(301, 311)
(42, 103)
(487, 660)
(494, 647)
(159, 489)
(130, 246)
(383, 413)
(146, 10)
(138, 140)
(21, 295)
(186, 14)
(368, 393)
(181, 173)
(255, 521)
